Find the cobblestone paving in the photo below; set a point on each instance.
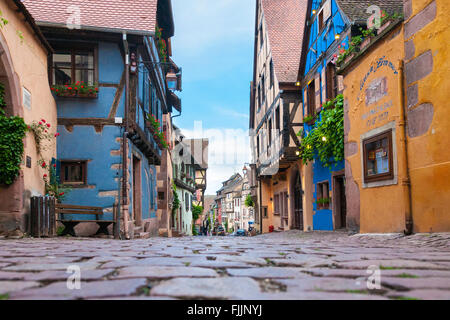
(290, 265)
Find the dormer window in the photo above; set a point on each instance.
(73, 65)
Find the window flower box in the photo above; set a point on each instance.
(384, 26)
(76, 90)
(365, 43)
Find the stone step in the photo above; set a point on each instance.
(138, 229)
(142, 235)
(176, 234)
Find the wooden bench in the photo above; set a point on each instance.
(69, 224)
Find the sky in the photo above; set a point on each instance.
(213, 44)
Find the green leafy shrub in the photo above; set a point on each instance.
(249, 201)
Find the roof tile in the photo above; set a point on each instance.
(136, 15)
(285, 21)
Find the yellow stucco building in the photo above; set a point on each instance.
(397, 165)
(24, 73)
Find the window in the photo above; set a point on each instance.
(265, 215)
(276, 204)
(277, 118)
(261, 38)
(332, 84)
(271, 73)
(378, 158)
(73, 172)
(323, 194)
(186, 203)
(257, 145)
(263, 88)
(321, 21)
(70, 66)
(161, 195)
(270, 131)
(311, 98)
(259, 97)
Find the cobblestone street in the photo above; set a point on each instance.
(290, 265)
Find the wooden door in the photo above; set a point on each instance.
(298, 204)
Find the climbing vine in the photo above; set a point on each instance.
(196, 212)
(176, 199)
(53, 188)
(12, 132)
(326, 139)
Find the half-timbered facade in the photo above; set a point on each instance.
(331, 26)
(108, 150)
(276, 112)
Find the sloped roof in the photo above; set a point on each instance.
(31, 21)
(356, 10)
(137, 16)
(285, 21)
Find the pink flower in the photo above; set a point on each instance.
(57, 134)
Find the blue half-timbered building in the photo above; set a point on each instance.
(108, 75)
(327, 29)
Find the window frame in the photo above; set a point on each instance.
(331, 81)
(272, 76)
(321, 186)
(64, 164)
(73, 48)
(383, 176)
(311, 98)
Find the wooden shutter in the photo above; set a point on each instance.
(317, 93)
(324, 86)
(326, 10)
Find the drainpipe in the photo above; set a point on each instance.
(124, 138)
(260, 207)
(407, 190)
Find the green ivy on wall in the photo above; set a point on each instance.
(12, 133)
(326, 139)
(176, 199)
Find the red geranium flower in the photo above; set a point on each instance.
(48, 125)
(43, 164)
(61, 194)
(57, 134)
(45, 175)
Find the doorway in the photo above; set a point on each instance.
(339, 203)
(298, 203)
(137, 191)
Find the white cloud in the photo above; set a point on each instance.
(229, 150)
